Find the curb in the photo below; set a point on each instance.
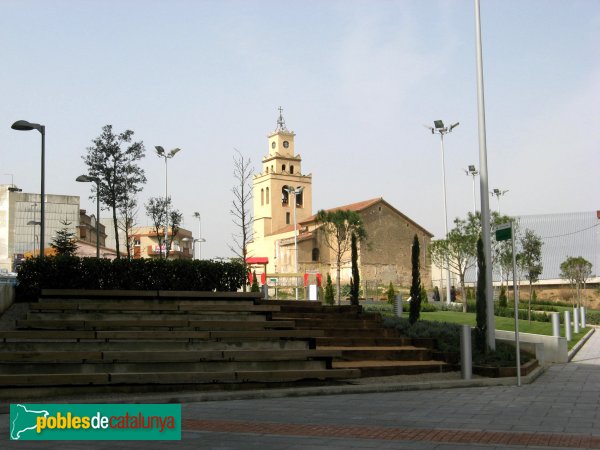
(174, 397)
(580, 344)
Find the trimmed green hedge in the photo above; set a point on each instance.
(71, 272)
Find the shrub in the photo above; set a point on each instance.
(424, 298)
(254, 287)
(71, 272)
(329, 297)
(390, 293)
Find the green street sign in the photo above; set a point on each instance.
(503, 232)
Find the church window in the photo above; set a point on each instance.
(262, 197)
(284, 196)
(299, 198)
(267, 169)
(267, 196)
(291, 169)
(283, 168)
(287, 218)
(315, 254)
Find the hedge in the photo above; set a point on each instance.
(71, 272)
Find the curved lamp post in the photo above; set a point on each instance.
(163, 154)
(439, 128)
(89, 179)
(23, 125)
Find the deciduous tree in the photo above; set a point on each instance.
(113, 159)
(529, 260)
(577, 270)
(337, 228)
(241, 208)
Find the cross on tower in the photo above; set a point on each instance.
(280, 121)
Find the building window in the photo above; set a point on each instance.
(271, 168)
(262, 197)
(267, 169)
(291, 169)
(287, 218)
(283, 168)
(299, 198)
(315, 254)
(284, 196)
(137, 242)
(267, 196)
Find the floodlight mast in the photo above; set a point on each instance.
(439, 128)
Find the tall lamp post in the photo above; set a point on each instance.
(162, 154)
(439, 128)
(89, 179)
(23, 125)
(200, 240)
(297, 191)
(498, 193)
(471, 170)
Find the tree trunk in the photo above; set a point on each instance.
(116, 226)
(529, 309)
(462, 292)
(338, 282)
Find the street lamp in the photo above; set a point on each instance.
(439, 128)
(498, 193)
(296, 192)
(89, 179)
(23, 125)
(34, 223)
(162, 154)
(200, 240)
(471, 170)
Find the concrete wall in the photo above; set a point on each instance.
(552, 349)
(7, 296)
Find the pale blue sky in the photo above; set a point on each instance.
(357, 81)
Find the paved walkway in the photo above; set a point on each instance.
(559, 410)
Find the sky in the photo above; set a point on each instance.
(357, 80)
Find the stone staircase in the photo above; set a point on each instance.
(360, 340)
(133, 341)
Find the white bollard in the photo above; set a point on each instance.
(576, 320)
(466, 357)
(568, 325)
(555, 324)
(582, 315)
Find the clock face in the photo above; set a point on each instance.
(286, 144)
(273, 144)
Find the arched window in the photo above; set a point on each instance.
(283, 168)
(271, 168)
(267, 169)
(284, 196)
(299, 198)
(287, 218)
(315, 254)
(267, 196)
(291, 169)
(262, 197)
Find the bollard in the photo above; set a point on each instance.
(576, 320)
(568, 325)
(466, 358)
(265, 289)
(582, 315)
(398, 305)
(555, 324)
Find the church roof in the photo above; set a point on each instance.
(361, 206)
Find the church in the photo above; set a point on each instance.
(284, 220)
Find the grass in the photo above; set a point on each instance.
(502, 323)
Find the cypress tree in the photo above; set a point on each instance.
(415, 288)
(329, 297)
(355, 280)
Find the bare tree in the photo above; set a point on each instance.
(127, 211)
(241, 207)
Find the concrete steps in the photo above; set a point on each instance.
(362, 340)
(95, 339)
